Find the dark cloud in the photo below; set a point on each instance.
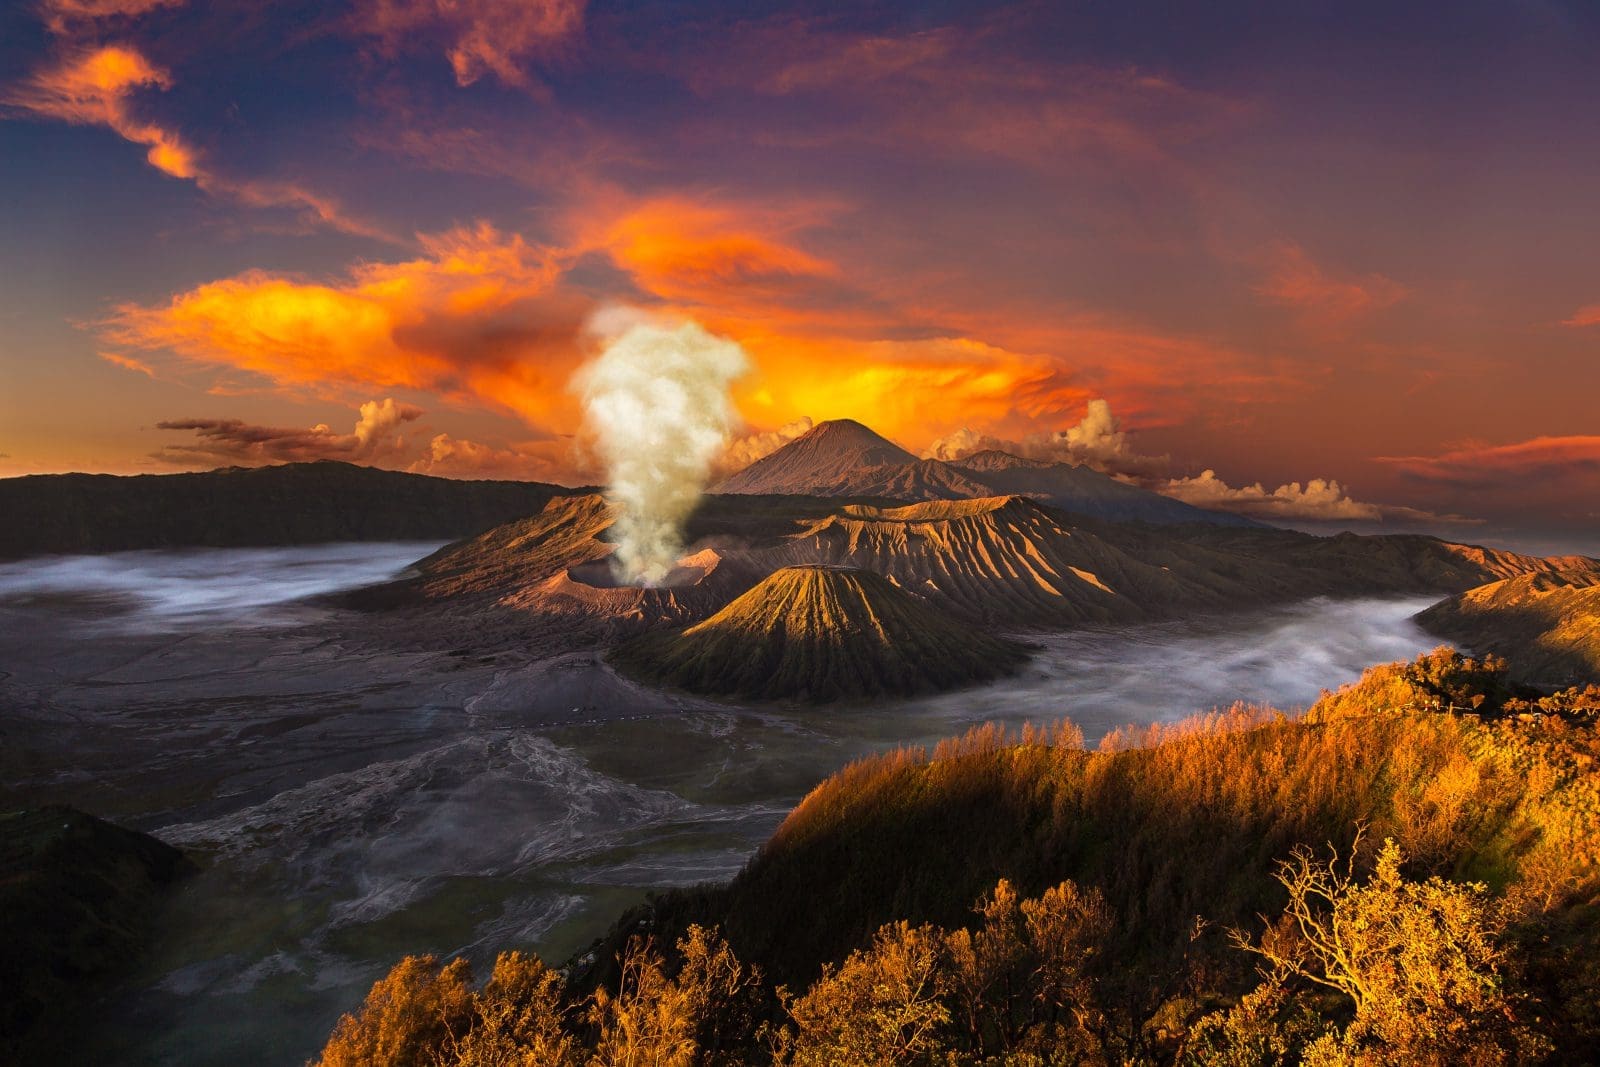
(377, 437)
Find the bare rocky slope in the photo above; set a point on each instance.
(820, 634)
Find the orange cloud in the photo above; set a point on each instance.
(1512, 465)
(61, 15)
(682, 250)
(486, 318)
(910, 390)
(97, 86)
(376, 438)
(117, 359)
(1296, 281)
(544, 461)
(477, 319)
(94, 87)
(1588, 315)
(495, 37)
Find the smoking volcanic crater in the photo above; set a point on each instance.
(988, 566)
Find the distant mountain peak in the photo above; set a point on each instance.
(827, 455)
(821, 633)
(992, 459)
(850, 435)
(843, 458)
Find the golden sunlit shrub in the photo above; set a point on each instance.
(408, 1018)
(883, 1006)
(649, 1020)
(519, 1019)
(1421, 963)
(1024, 980)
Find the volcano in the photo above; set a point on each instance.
(826, 461)
(821, 634)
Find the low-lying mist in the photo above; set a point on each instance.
(166, 590)
(1284, 657)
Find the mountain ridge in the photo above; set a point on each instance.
(1008, 562)
(236, 507)
(846, 459)
(1546, 625)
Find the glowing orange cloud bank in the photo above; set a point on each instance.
(486, 318)
(95, 88)
(1504, 466)
(476, 319)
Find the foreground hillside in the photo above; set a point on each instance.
(76, 900)
(289, 504)
(1363, 885)
(821, 634)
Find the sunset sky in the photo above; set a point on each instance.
(1219, 249)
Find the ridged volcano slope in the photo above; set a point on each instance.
(820, 634)
(1004, 560)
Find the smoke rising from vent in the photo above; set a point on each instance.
(656, 402)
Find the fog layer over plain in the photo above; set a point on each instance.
(354, 803)
(142, 591)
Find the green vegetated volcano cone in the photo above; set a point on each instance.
(821, 634)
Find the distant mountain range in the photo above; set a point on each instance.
(294, 503)
(846, 459)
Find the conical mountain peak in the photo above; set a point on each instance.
(819, 634)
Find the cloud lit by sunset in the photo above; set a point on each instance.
(971, 223)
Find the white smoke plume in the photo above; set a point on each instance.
(656, 402)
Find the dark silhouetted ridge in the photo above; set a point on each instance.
(288, 504)
(77, 896)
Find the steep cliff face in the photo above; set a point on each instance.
(820, 634)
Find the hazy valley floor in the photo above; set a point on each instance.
(358, 804)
